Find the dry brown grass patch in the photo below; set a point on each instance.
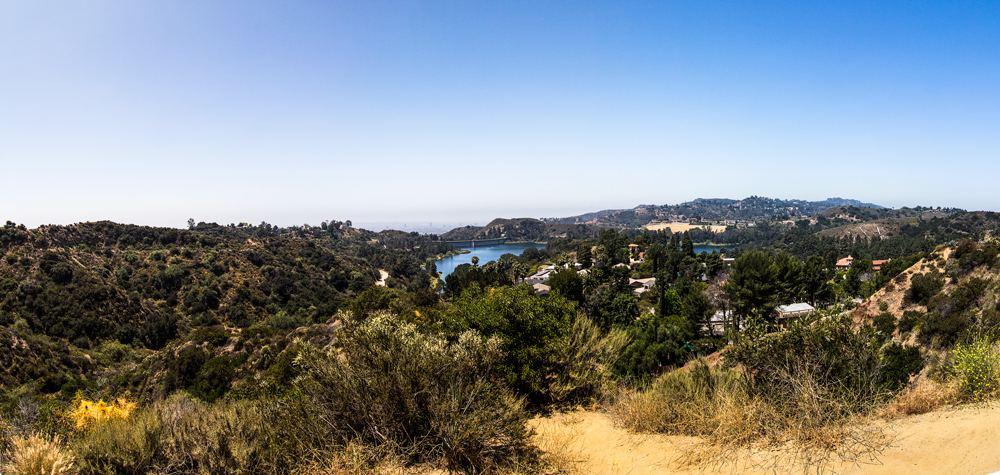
(35, 455)
(921, 397)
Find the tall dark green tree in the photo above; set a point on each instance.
(814, 275)
(788, 272)
(584, 256)
(753, 286)
(861, 271)
(687, 246)
(831, 260)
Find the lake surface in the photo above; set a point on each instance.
(485, 254)
(700, 248)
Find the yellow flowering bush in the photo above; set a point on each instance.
(85, 413)
(976, 367)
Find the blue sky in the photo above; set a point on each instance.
(151, 112)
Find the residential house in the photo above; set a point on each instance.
(785, 313)
(717, 323)
(845, 263)
(640, 286)
(540, 276)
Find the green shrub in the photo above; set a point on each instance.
(582, 362)
(213, 335)
(901, 362)
(529, 327)
(945, 322)
(911, 319)
(285, 321)
(386, 384)
(924, 286)
(885, 323)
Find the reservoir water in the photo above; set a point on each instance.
(485, 254)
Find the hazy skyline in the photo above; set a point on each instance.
(153, 112)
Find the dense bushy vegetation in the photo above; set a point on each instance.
(256, 349)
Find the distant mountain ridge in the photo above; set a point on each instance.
(711, 209)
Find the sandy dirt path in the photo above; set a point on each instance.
(953, 441)
(384, 275)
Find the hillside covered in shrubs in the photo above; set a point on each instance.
(255, 349)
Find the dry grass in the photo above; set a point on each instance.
(561, 450)
(806, 428)
(921, 397)
(358, 459)
(35, 455)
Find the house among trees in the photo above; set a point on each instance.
(639, 286)
(717, 323)
(541, 289)
(845, 263)
(784, 313)
(540, 276)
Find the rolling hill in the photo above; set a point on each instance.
(713, 209)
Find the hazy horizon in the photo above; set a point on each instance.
(421, 226)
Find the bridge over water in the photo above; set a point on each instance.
(478, 242)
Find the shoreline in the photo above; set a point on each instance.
(451, 253)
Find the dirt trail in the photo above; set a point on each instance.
(384, 275)
(954, 441)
